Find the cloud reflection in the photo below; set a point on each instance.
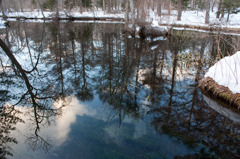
(72, 108)
(57, 133)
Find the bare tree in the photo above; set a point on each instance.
(207, 4)
(80, 6)
(132, 14)
(57, 9)
(169, 7)
(159, 8)
(108, 6)
(126, 14)
(219, 8)
(179, 10)
(40, 8)
(2, 9)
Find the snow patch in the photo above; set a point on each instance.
(154, 47)
(160, 38)
(226, 72)
(155, 24)
(2, 23)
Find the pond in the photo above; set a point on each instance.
(88, 90)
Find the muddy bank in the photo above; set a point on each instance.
(209, 87)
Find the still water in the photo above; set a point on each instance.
(87, 90)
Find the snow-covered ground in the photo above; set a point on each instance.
(197, 18)
(190, 18)
(63, 14)
(226, 72)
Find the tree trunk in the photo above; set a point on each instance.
(104, 7)
(94, 4)
(57, 9)
(159, 8)
(127, 12)
(222, 12)
(2, 9)
(40, 6)
(179, 10)
(223, 9)
(169, 7)
(59, 54)
(219, 9)
(213, 5)
(228, 15)
(108, 6)
(80, 6)
(207, 3)
(132, 14)
(21, 6)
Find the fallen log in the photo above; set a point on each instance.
(208, 86)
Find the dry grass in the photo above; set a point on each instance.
(209, 86)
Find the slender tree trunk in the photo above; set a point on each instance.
(109, 6)
(2, 9)
(127, 12)
(80, 6)
(223, 9)
(57, 9)
(179, 16)
(132, 14)
(160, 8)
(174, 69)
(118, 6)
(83, 65)
(104, 7)
(169, 7)
(222, 12)
(213, 5)
(207, 3)
(93, 4)
(219, 9)
(126, 15)
(21, 6)
(228, 15)
(60, 57)
(40, 6)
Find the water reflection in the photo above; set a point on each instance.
(224, 110)
(89, 91)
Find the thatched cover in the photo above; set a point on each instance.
(209, 86)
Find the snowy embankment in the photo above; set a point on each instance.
(197, 18)
(36, 14)
(189, 19)
(223, 80)
(226, 72)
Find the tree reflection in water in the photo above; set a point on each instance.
(32, 96)
(8, 118)
(156, 78)
(188, 117)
